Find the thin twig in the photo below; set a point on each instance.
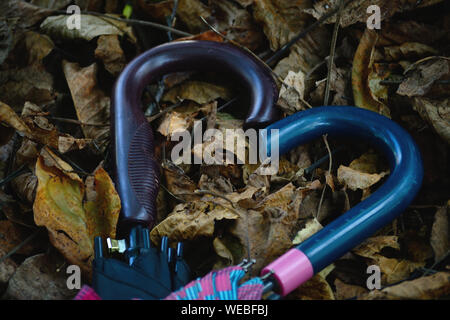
(13, 175)
(330, 163)
(332, 53)
(159, 114)
(79, 122)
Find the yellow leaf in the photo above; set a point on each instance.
(72, 223)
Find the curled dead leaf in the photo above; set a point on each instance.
(192, 220)
(71, 221)
(440, 240)
(423, 288)
(355, 179)
(91, 104)
(362, 66)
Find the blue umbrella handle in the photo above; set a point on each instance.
(351, 228)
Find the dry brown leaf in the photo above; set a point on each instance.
(38, 129)
(346, 291)
(423, 288)
(291, 96)
(440, 241)
(368, 162)
(7, 269)
(91, 104)
(392, 270)
(189, 221)
(409, 51)
(362, 66)
(421, 78)
(178, 183)
(236, 23)
(223, 252)
(373, 245)
(267, 233)
(39, 278)
(316, 288)
(109, 51)
(282, 20)
(198, 91)
(90, 27)
(71, 221)
(436, 113)
(355, 179)
(190, 11)
(175, 122)
(11, 235)
(356, 11)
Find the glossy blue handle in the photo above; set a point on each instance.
(387, 202)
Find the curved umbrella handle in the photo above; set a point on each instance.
(137, 172)
(351, 228)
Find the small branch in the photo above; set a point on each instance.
(332, 52)
(79, 122)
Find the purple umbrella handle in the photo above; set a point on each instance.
(136, 169)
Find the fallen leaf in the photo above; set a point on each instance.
(90, 27)
(440, 241)
(237, 23)
(175, 122)
(346, 291)
(110, 52)
(356, 11)
(362, 66)
(355, 179)
(373, 245)
(31, 83)
(6, 41)
(316, 288)
(198, 91)
(38, 129)
(189, 221)
(38, 278)
(421, 77)
(71, 221)
(91, 104)
(423, 288)
(223, 252)
(291, 96)
(408, 51)
(368, 162)
(436, 113)
(8, 116)
(178, 183)
(25, 187)
(7, 269)
(11, 235)
(392, 269)
(267, 233)
(281, 20)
